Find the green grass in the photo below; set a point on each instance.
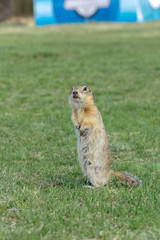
(42, 194)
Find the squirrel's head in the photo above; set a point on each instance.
(80, 96)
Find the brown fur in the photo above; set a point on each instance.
(93, 146)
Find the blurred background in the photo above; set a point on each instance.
(18, 8)
(77, 11)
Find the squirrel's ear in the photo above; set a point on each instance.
(89, 90)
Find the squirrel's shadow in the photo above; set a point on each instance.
(70, 182)
(81, 182)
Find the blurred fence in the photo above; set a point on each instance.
(9, 8)
(6, 9)
(23, 7)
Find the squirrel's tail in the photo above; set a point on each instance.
(127, 178)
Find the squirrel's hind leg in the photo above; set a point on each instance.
(97, 177)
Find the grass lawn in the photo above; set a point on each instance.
(42, 194)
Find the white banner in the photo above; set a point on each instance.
(155, 4)
(86, 8)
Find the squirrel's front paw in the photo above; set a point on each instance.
(84, 132)
(77, 126)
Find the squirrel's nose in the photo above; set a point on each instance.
(75, 93)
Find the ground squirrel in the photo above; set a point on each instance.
(93, 146)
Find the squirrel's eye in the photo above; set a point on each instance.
(84, 89)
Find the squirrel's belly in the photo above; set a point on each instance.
(83, 148)
(93, 155)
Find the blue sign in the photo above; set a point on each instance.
(74, 11)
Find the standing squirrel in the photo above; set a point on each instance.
(93, 146)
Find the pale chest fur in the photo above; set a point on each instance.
(83, 147)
